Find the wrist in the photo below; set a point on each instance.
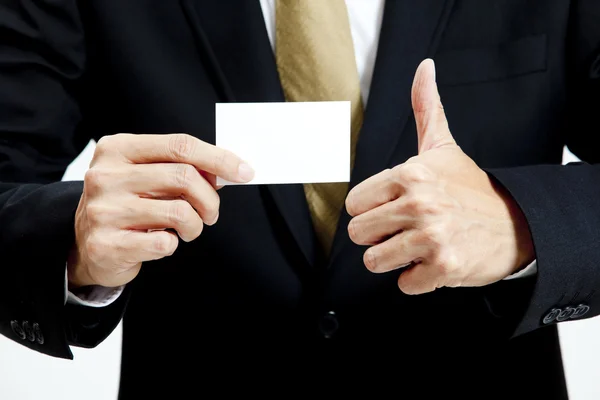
(526, 252)
(523, 241)
(77, 275)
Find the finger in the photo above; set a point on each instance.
(379, 224)
(129, 249)
(440, 267)
(210, 178)
(432, 125)
(387, 186)
(175, 181)
(373, 192)
(149, 246)
(180, 148)
(398, 251)
(152, 214)
(419, 279)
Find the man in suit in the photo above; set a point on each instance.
(458, 246)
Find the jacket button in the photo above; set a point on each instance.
(16, 327)
(551, 316)
(580, 311)
(329, 325)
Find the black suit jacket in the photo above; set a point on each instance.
(253, 297)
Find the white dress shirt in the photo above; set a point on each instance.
(365, 23)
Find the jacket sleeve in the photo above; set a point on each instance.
(560, 204)
(42, 61)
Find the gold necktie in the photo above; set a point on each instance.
(316, 62)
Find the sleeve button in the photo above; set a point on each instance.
(565, 314)
(551, 316)
(39, 337)
(580, 311)
(17, 329)
(28, 331)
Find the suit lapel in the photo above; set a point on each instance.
(234, 45)
(410, 32)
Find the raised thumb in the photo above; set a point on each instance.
(432, 125)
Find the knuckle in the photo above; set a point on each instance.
(174, 245)
(427, 206)
(96, 248)
(96, 213)
(104, 144)
(353, 231)
(434, 236)
(413, 173)
(370, 260)
(351, 203)
(220, 162)
(198, 229)
(95, 178)
(163, 244)
(181, 146)
(119, 138)
(212, 206)
(391, 175)
(216, 202)
(120, 245)
(447, 263)
(411, 204)
(183, 176)
(179, 212)
(110, 143)
(391, 187)
(413, 159)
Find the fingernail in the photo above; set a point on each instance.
(245, 172)
(434, 71)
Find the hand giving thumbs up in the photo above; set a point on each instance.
(438, 216)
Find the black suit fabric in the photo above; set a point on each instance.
(252, 303)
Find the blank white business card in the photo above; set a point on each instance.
(293, 142)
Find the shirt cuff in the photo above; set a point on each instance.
(529, 270)
(92, 296)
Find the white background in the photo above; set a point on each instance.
(93, 375)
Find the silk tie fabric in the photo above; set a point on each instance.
(315, 58)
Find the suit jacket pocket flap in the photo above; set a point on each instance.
(514, 58)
